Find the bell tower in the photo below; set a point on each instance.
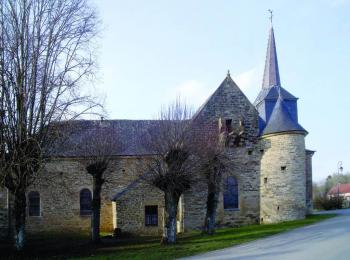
(282, 142)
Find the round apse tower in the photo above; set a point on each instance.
(282, 168)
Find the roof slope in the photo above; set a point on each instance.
(272, 94)
(281, 121)
(129, 131)
(226, 98)
(271, 73)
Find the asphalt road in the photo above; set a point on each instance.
(329, 239)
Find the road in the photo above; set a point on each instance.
(329, 239)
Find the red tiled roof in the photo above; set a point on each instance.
(339, 188)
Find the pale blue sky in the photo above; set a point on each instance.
(151, 51)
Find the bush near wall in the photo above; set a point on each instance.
(325, 203)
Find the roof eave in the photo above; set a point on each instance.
(282, 132)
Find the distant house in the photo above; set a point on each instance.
(342, 190)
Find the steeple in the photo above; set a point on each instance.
(278, 109)
(271, 72)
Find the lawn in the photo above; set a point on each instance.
(149, 247)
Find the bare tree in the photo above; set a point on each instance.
(210, 148)
(170, 167)
(99, 146)
(45, 54)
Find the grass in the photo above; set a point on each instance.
(149, 247)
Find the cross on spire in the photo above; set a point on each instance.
(271, 15)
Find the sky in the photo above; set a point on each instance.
(152, 51)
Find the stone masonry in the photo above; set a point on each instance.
(308, 173)
(229, 103)
(60, 187)
(282, 178)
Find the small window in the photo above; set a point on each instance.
(85, 202)
(228, 125)
(265, 180)
(283, 168)
(231, 193)
(250, 152)
(151, 215)
(34, 203)
(262, 151)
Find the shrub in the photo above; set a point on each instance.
(325, 203)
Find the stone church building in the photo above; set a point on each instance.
(270, 180)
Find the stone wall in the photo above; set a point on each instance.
(131, 209)
(59, 187)
(228, 103)
(245, 167)
(283, 187)
(308, 174)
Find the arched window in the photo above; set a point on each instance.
(34, 203)
(231, 193)
(85, 202)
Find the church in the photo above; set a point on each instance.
(270, 180)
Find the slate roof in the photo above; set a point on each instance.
(281, 121)
(131, 185)
(271, 73)
(272, 94)
(271, 79)
(129, 131)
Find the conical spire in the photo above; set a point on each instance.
(271, 72)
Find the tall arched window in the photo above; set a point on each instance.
(85, 202)
(34, 203)
(231, 193)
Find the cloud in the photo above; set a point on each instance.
(193, 92)
(248, 79)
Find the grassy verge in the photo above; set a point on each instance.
(67, 246)
(195, 242)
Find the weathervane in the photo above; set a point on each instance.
(271, 15)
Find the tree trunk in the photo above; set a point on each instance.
(96, 209)
(19, 213)
(212, 204)
(171, 203)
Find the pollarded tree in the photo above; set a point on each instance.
(171, 165)
(214, 162)
(99, 145)
(46, 49)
